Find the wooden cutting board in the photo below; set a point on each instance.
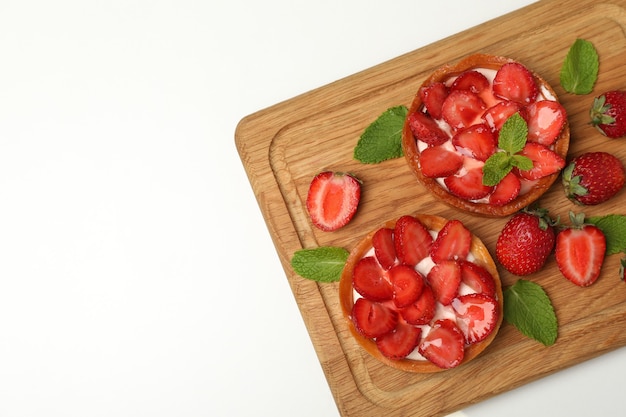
(284, 146)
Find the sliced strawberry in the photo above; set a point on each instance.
(496, 115)
(478, 141)
(333, 199)
(444, 278)
(369, 280)
(452, 242)
(545, 161)
(468, 186)
(400, 342)
(439, 161)
(506, 190)
(433, 96)
(461, 108)
(444, 345)
(407, 285)
(426, 129)
(423, 310)
(373, 319)
(384, 248)
(515, 82)
(412, 240)
(545, 119)
(471, 80)
(477, 278)
(580, 253)
(476, 316)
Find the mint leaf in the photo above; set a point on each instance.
(511, 139)
(382, 140)
(323, 264)
(614, 228)
(579, 71)
(529, 309)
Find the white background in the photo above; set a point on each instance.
(137, 277)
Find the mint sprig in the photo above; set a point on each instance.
(322, 264)
(579, 71)
(511, 140)
(529, 309)
(382, 139)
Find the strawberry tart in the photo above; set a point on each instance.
(422, 294)
(453, 127)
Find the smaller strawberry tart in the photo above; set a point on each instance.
(454, 127)
(422, 294)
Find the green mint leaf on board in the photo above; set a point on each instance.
(382, 140)
(511, 140)
(323, 264)
(529, 309)
(579, 71)
(614, 228)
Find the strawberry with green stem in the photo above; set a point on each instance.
(608, 114)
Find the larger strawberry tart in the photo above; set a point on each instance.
(453, 128)
(422, 294)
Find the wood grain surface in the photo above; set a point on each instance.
(284, 146)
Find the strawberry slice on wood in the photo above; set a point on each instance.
(423, 310)
(425, 128)
(373, 319)
(477, 278)
(400, 342)
(545, 119)
(452, 242)
(384, 247)
(461, 108)
(444, 345)
(545, 161)
(506, 190)
(515, 82)
(478, 141)
(439, 161)
(468, 186)
(369, 280)
(476, 316)
(496, 115)
(412, 240)
(433, 96)
(444, 279)
(407, 285)
(579, 253)
(333, 199)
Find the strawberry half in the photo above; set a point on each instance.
(478, 141)
(412, 240)
(423, 310)
(384, 248)
(407, 285)
(545, 119)
(369, 280)
(468, 186)
(400, 342)
(545, 161)
(476, 316)
(515, 82)
(444, 345)
(461, 108)
(373, 319)
(426, 129)
(453, 242)
(438, 161)
(444, 278)
(579, 252)
(333, 199)
(433, 96)
(477, 278)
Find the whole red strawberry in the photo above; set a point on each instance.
(526, 241)
(593, 177)
(608, 113)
